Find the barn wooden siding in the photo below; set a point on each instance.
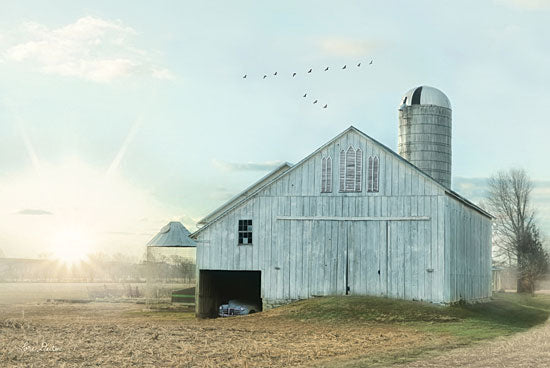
(392, 241)
(468, 253)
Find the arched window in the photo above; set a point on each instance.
(373, 173)
(350, 170)
(351, 166)
(358, 169)
(329, 175)
(342, 171)
(326, 175)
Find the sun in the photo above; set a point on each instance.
(71, 246)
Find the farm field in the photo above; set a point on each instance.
(24, 292)
(331, 332)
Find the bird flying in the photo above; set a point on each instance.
(371, 62)
(309, 71)
(265, 76)
(326, 68)
(344, 67)
(275, 73)
(293, 74)
(244, 76)
(358, 65)
(305, 94)
(314, 102)
(324, 107)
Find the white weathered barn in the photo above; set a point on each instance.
(354, 217)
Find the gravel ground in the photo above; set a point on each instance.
(527, 349)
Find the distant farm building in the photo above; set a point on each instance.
(171, 255)
(172, 241)
(354, 217)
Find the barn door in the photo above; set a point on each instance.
(366, 258)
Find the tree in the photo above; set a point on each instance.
(516, 236)
(185, 267)
(533, 264)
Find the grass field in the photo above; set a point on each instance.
(329, 331)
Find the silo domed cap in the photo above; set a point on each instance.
(425, 95)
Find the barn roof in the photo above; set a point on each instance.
(277, 174)
(244, 194)
(174, 234)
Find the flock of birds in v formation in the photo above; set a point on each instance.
(309, 72)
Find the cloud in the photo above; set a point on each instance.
(347, 46)
(221, 194)
(91, 48)
(163, 74)
(246, 166)
(526, 4)
(189, 222)
(33, 211)
(472, 188)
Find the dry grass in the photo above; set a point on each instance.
(330, 331)
(123, 335)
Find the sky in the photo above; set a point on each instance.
(117, 117)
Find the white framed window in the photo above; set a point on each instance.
(351, 169)
(326, 175)
(373, 174)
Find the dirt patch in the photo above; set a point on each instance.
(124, 334)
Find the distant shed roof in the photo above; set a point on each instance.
(174, 234)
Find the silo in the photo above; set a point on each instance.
(425, 118)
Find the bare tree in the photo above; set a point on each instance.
(516, 236)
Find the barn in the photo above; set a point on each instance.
(352, 218)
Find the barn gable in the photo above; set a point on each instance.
(397, 176)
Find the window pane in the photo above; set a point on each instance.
(358, 169)
(350, 170)
(369, 175)
(328, 184)
(324, 175)
(375, 174)
(342, 171)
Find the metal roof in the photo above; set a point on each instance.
(425, 95)
(174, 234)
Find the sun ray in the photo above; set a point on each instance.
(122, 151)
(131, 134)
